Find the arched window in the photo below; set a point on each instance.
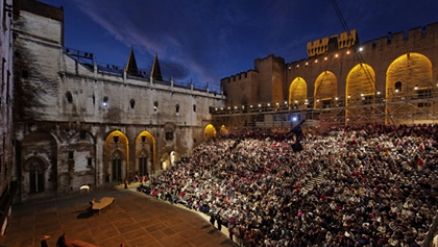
(194, 108)
(132, 103)
(117, 166)
(36, 176)
(155, 106)
(143, 163)
(169, 135)
(177, 108)
(398, 86)
(69, 97)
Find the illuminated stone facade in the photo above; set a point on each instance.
(77, 122)
(387, 80)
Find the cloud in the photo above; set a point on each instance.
(208, 40)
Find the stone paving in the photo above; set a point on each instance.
(134, 219)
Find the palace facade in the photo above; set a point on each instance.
(392, 79)
(78, 122)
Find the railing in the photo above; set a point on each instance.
(349, 102)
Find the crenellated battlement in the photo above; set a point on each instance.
(411, 36)
(238, 77)
(322, 46)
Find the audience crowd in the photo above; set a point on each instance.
(373, 185)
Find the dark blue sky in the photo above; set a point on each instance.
(205, 41)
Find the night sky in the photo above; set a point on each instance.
(206, 40)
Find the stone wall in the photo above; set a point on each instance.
(77, 124)
(379, 57)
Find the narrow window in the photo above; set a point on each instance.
(82, 134)
(194, 108)
(36, 181)
(69, 97)
(132, 103)
(143, 163)
(89, 162)
(24, 74)
(70, 155)
(177, 108)
(117, 167)
(398, 87)
(155, 106)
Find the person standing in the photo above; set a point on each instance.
(44, 241)
(219, 222)
(212, 218)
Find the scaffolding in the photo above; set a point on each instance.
(409, 109)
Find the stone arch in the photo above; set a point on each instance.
(36, 173)
(116, 150)
(360, 90)
(118, 166)
(411, 74)
(326, 89)
(39, 159)
(165, 161)
(174, 157)
(145, 151)
(410, 69)
(298, 93)
(223, 130)
(209, 132)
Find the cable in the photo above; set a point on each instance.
(359, 55)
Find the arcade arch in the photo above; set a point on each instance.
(209, 132)
(116, 158)
(326, 89)
(298, 93)
(409, 77)
(360, 90)
(39, 159)
(145, 150)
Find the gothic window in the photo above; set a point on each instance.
(117, 166)
(398, 86)
(142, 163)
(89, 162)
(132, 103)
(82, 134)
(69, 97)
(169, 135)
(36, 177)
